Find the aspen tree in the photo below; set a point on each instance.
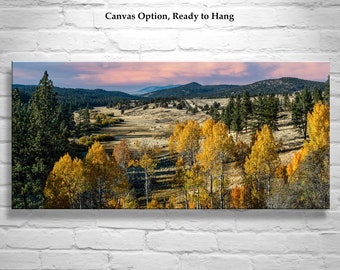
(260, 166)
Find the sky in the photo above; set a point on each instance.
(133, 76)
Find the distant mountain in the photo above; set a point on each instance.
(282, 85)
(191, 90)
(78, 97)
(150, 89)
(276, 86)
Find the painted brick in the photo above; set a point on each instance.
(23, 40)
(287, 262)
(80, 18)
(73, 260)
(330, 242)
(181, 241)
(2, 239)
(5, 172)
(5, 152)
(143, 260)
(5, 196)
(251, 242)
(110, 239)
(71, 41)
(13, 218)
(329, 41)
(332, 262)
(62, 219)
(12, 260)
(32, 18)
(75, 30)
(5, 107)
(136, 220)
(201, 221)
(144, 40)
(5, 129)
(270, 220)
(215, 261)
(40, 239)
(282, 39)
(219, 40)
(320, 220)
(335, 154)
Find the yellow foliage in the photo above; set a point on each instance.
(318, 127)
(237, 197)
(122, 154)
(217, 146)
(64, 183)
(185, 140)
(103, 177)
(264, 158)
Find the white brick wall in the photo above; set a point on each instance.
(282, 30)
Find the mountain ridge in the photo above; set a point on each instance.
(268, 86)
(80, 97)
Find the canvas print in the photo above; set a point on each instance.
(170, 135)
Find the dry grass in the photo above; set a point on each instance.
(153, 127)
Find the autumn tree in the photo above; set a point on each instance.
(105, 182)
(146, 158)
(122, 154)
(318, 129)
(185, 141)
(217, 150)
(260, 167)
(309, 170)
(65, 184)
(237, 197)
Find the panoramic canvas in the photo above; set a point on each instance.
(170, 135)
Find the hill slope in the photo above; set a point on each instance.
(78, 97)
(276, 86)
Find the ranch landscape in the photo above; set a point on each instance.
(153, 126)
(263, 145)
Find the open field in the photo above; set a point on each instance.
(153, 126)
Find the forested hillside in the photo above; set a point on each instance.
(171, 153)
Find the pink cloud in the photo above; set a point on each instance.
(303, 70)
(156, 72)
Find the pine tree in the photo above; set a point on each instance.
(302, 105)
(46, 139)
(258, 112)
(326, 92)
(237, 122)
(227, 112)
(22, 182)
(246, 109)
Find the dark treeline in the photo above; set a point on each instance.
(243, 112)
(40, 131)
